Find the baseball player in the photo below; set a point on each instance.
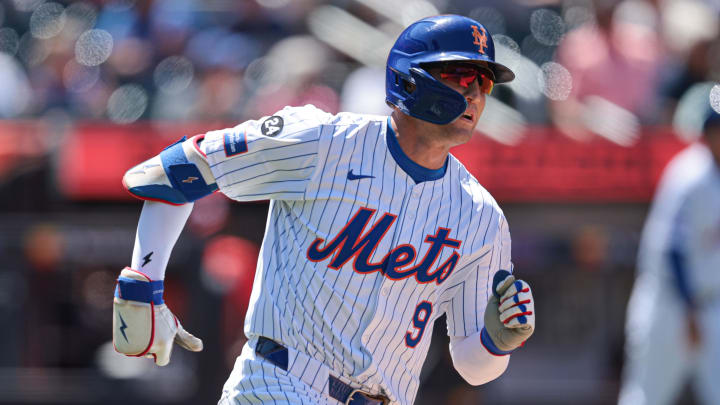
(673, 321)
(374, 231)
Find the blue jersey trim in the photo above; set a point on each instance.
(490, 345)
(414, 170)
(140, 291)
(159, 192)
(677, 258)
(679, 271)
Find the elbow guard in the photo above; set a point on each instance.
(178, 175)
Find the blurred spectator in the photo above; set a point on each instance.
(702, 64)
(364, 92)
(293, 74)
(614, 63)
(14, 87)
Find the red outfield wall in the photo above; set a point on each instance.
(90, 159)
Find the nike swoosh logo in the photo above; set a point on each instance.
(353, 176)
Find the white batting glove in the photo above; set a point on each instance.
(509, 315)
(142, 324)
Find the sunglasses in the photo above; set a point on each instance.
(464, 75)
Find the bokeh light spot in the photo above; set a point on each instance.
(257, 73)
(9, 41)
(47, 20)
(507, 42)
(715, 98)
(535, 51)
(173, 74)
(415, 10)
(127, 103)
(31, 51)
(79, 78)
(577, 16)
(27, 5)
(555, 81)
(507, 51)
(79, 17)
(93, 47)
(490, 17)
(547, 26)
(273, 3)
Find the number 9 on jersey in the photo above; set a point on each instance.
(419, 322)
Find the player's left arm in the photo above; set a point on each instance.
(507, 320)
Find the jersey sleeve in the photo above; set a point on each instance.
(678, 253)
(270, 158)
(693, 251)
(466, 300)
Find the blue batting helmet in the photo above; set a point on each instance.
(410, 88)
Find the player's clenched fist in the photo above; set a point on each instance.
(142, 323)
(509, 315)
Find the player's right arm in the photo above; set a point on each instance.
(270, 158)
(169, 182)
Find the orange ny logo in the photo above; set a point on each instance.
(480, 37)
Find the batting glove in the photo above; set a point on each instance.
(142, 324)
(509, 315)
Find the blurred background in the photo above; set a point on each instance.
(607, 92)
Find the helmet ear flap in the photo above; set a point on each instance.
(409, 87)
(431, 100)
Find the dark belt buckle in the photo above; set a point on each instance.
(273, 352)
(381, 399)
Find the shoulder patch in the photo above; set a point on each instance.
(235, 143)
(272, 125)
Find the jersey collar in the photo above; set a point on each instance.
(414, 170)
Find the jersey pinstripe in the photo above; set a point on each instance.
(358, 259)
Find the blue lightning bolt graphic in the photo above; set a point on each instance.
(123, 327)
(147, 259)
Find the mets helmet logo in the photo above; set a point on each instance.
(480, 38)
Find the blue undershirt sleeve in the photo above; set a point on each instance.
(677, 257)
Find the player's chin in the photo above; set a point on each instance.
(463, 127)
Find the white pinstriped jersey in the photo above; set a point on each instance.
(678, 262)
(685, 216)
(358, 259)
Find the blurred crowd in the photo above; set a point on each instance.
(603, 67)
(589, 68)
(163, 60)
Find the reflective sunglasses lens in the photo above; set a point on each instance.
(486, 84)
(461, 78)
(464, 76)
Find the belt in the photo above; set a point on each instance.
(278, 355)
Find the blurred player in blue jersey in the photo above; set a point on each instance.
(374, 231)
(673, 321)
